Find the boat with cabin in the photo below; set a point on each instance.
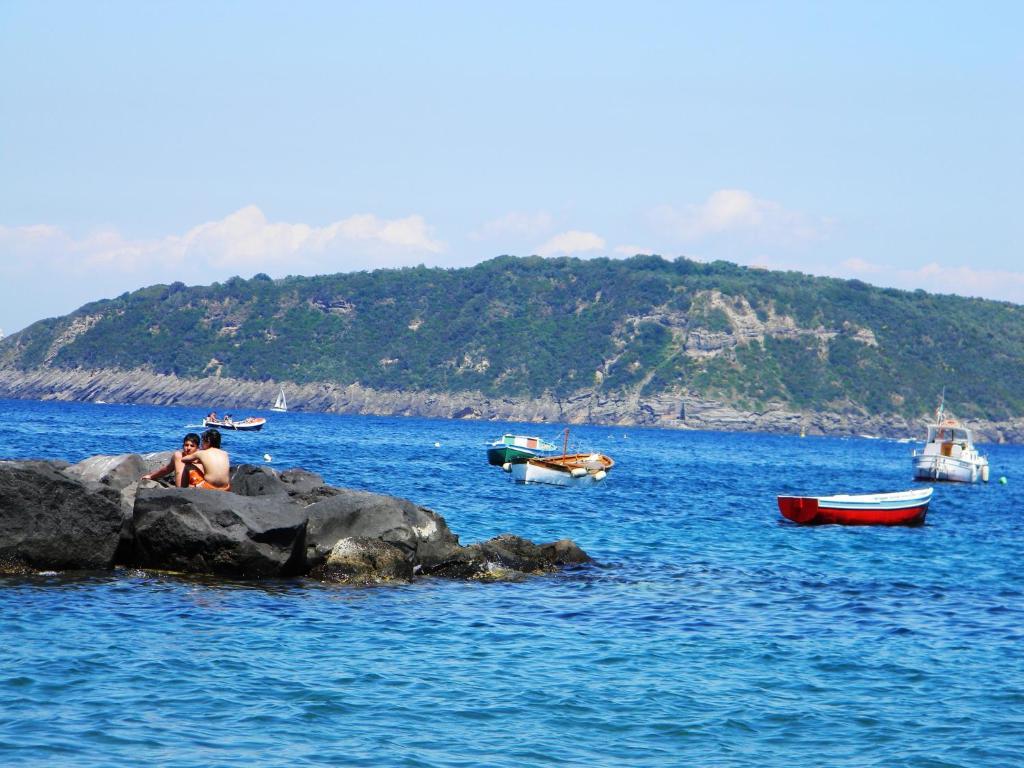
(509, 448)
(949, 453)
(899, 508)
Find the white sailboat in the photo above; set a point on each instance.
(281, 404)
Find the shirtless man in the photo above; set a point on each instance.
(189, 445)
(215, 463)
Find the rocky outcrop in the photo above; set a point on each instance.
(182, 529)
(98, 512)
(365, 561)
(50, 521)
(587, 406)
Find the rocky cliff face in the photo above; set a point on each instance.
(587, 406)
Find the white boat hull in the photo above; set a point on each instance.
(938, 467)
(526, 472)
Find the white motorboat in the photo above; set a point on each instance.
(949, 454)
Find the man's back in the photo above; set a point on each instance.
(216, 465)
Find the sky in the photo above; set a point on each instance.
(145, 143)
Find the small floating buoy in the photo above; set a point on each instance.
(437, 444)
(267, 457)
(507, 466)
(600, 474)
(1002, 479)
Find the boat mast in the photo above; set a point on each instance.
(565, 443)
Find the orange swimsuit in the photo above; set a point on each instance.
(210, 486)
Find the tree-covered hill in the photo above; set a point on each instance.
(527, 327)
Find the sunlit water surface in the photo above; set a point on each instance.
(709, 631)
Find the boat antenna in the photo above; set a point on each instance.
(942, 407)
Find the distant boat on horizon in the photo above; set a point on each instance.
(281, 404)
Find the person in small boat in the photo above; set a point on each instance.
(215, 463)
(175, 468)
(211, 416)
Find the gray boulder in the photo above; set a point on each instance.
(256, 480)
(505, 558)
(422, 535)
(121, 473)
(118, 472)
(50, 521)
(363, 561)
(194, 531)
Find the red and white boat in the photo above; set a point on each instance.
(901, 508)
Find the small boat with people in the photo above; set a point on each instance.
(509, 448)
(899, 508)
(949, 453)
(569, 469)
(248, 424)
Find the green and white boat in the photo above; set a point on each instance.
(510, 448)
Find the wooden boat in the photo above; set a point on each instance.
(281, 404)
(901, 508)
(250, 424)
(949, 452)
(567, 469)
(510, 448)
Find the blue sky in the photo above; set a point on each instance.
(152, 142)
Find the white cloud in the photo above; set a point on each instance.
(243, 240)
(738, 212)
(1000, 284)
(515, 224)
(571, 242)
(102, 264)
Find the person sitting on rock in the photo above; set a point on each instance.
(176, 465)
(216, 466)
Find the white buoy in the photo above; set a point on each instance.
(984, 473)
(507, 466)
(578, 472)
(600, 474)
(437, 445)
(267, 457)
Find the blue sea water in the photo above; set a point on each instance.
(709, 631)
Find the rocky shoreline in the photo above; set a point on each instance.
(584, 407)
(98, 514)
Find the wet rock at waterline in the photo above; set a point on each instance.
(98, 513)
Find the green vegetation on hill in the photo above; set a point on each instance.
(523, 327)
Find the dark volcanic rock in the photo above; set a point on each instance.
(506, 557)
(422, 535)
(182, 529)
(118, 472)
(49, 521)
(96, 513)
(255, 480)
(365, 561)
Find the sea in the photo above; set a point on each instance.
(708, 631)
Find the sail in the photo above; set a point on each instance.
(281, 404)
